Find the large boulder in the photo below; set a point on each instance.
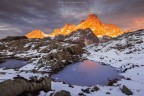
(62, 93)
(20, 86)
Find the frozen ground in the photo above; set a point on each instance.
(124, 52)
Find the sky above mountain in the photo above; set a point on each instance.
(18, 17)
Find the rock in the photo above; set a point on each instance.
(128, 78)
(51, 94)
(2, 47)
(95, 88)
(126, 90)
(87, 90)
(107, 92)
(81, 94)
(71, 86)
(62, 56)
(20, 86)
(34, 78)
(85, 36)
(62, 93)
(57, 54)
(2, 60)
(111, 82)
(104, 38)
(9, 38)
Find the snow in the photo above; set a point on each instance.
(11, 73)
(54, 51)
(131, 63)
(124, 53)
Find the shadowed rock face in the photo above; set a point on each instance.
(126, 90)
(61, 55)
(104, 38)
(21, 86)
(84, 36)
(9, 38)
(62, 93)
(2, 60)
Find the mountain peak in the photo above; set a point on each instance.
(36, 34)
(92, 21)
(67, 24)
(95, 24)
(92, 16)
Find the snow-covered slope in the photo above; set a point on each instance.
(126, 53)
(125, 50)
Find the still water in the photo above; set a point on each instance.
(13, 63)
(87, 73)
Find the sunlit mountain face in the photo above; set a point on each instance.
(36, 34)
(92, 21)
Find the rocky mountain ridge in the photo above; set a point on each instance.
(92, 22)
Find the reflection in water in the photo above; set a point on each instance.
(88, 65)
(87, 73)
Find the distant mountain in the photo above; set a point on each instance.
(92, 22)
(36, 34)
(67, 29)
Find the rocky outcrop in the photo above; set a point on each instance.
(126, 91)
(2, 60)
(104, 38)
(45, 53)
(85, 36)
(62, 93)
(9, 38)
(62, 56)
(20, 86)
(95, 88)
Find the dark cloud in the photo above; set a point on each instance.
(18, 17)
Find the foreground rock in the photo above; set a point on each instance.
(62, 93)
(21, 86)
(126, 90)
(2, 60)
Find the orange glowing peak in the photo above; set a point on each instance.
(67, 29)
(36, 34)
(92, 22)
(92, 17)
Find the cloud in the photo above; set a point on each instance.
(22, 16)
